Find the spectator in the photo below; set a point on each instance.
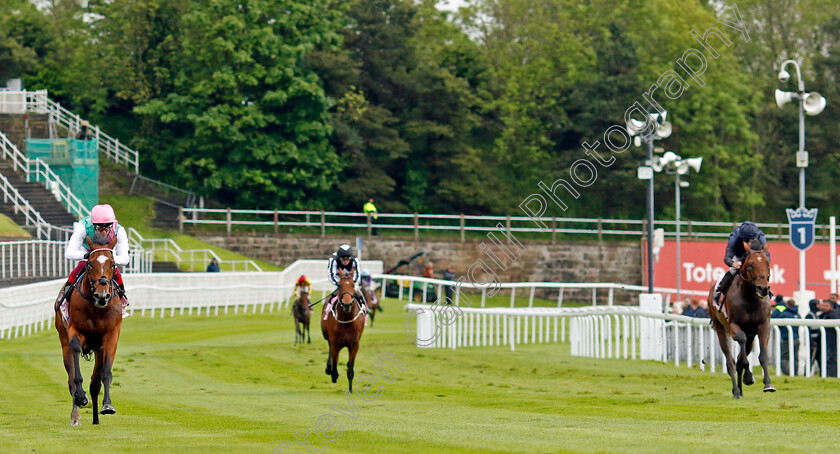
(371, 213)
(85, 133)
(789, 310)
(449, 275)
(703, 310)
(689, 307)
(213, 267)
(694, 308)
(429, 270)
(830, 311)
(814, 333)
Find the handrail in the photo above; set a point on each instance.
(43, 228)
(171, 247)
(417, 222)
(109, 146)
(42, 169)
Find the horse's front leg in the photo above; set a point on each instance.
(79, 397)
(743, 358)
(308, 338)
(96, 385)
(334, 349)
(723, 340)
(763, 339)
(739, 336)
(328, 370)
(109, 346)
(351, 361)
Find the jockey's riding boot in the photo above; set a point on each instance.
(124, 300)
(63, 294)
(723, 287)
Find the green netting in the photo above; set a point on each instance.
(75, 162)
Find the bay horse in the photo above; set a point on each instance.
(747, 303)
(94, 327)
(302, 313)
(343, 327)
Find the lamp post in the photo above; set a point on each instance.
(811, 104)
(673, 163)
(654, 127)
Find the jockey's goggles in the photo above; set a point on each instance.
(102, 226)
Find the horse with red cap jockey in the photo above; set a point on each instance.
(101, 227)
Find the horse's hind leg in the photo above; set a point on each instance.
(723, 340)
(763, 338)
(351, 361)
(308, 337)
(96, 385)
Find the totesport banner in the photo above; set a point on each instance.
(702, 263)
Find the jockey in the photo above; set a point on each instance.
(366, 279)
(736, 251)
(342, 263)
(302, 286)
(101, 227)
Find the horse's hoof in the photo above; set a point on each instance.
(80, 402)
(769, 389)
(75, 423)
(736, 396)
(749, 379)
(334, 379)
(108, 409)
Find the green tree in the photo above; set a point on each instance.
(245, 121)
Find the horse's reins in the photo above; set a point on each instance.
(359, 313)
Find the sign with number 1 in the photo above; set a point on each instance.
(802, 229)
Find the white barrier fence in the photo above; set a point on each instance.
(27, 309)
(29, 259)
(615, 332)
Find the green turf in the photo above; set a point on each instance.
(8, 228)
(237, 383)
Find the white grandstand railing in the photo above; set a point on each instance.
(608, 332)
(167, 250)
(39, 102)
(38, 170)
(29, 259)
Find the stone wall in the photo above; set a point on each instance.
(561, 262)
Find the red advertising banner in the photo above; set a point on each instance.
(702, 263)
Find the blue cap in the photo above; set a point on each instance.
(749, 230)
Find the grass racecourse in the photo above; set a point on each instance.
(237, 383)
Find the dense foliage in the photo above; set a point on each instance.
(323, 103)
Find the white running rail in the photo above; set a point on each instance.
(611, 332)
(29, 259)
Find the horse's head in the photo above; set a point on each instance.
(346, 292)
(100, 272)
(756, 270)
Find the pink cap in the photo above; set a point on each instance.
(102, 214)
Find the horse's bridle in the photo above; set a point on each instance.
(354, 303)
(100, 281)
(744, 274)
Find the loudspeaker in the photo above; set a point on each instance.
(783, 97)
(663, 130)
(814, 103)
